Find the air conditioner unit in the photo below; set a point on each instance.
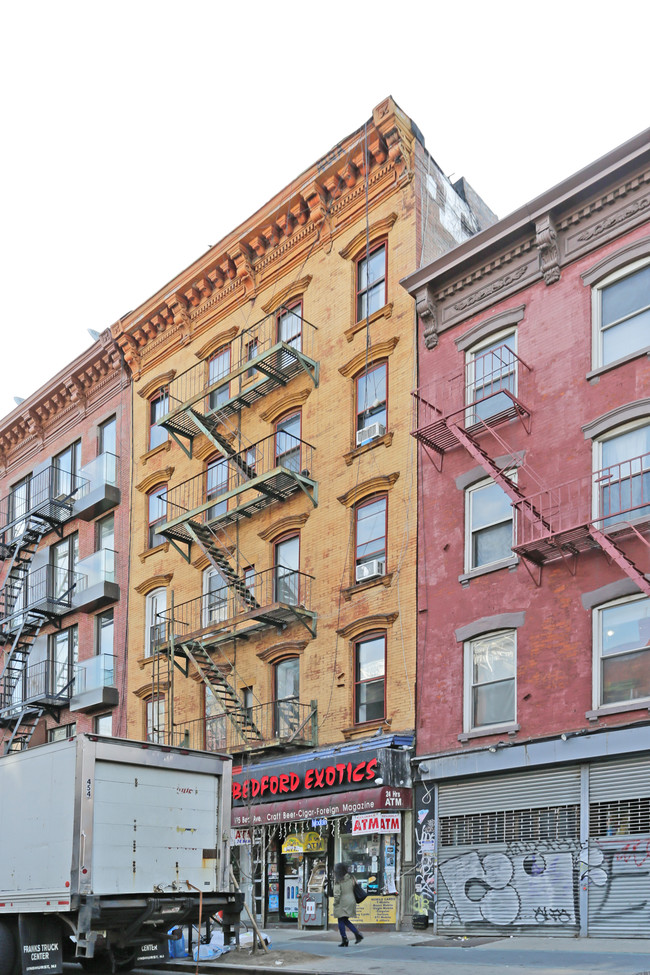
(370, 570)
(372, 432)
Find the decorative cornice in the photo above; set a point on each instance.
(376, 230)
(292, 401)
(512, 316)
(155, 478)
(281, 650)
(146, 690)
(286, 524)
(425, 307)
(625, 413)
(154, 582)
(217, 342)
(162, 379)
(385, 312)
(549, 251)
(376, 352)
(378, 621)
(287, 294)
(161, 549)
(161, 448)
(634, 251)
(377, 484)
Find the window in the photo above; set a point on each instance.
(64, 652)
(371, 402)
(157, 514)
(622, 649)
(621, 313)
(215, 598)
(105, 534)
(66, 470)
(104, 628)
(490, 672)
(249, 579)
(491, 367)
(370, 678)
(107, 437)
(19, 503)
(289, 322)
(248, 701)
(370, 538)
(489, 523)
(62, 732)
(64, 557)
(155, 730)
(622, 475)
(217, 484)
(287, 696)
(371, 282)
(218, 368)
(158, 408)
(287, 442)
(287, 576)
(215, 722)
(251, 352)
(103, 725)
(156, 603)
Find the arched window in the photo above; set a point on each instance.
(155, 604)
(215, 598)
(218, 368)
(287, 696)
(157, 514)
(286, 564)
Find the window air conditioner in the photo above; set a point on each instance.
(372, 432)
(370, 570)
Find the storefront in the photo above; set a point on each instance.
(294, 818)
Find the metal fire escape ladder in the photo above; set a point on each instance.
(232, 705)
(620, 559)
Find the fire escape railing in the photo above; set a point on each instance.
(48, 495)
(286, 722)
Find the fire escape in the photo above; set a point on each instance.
(599, 511)
(29, 599)
(205, 511)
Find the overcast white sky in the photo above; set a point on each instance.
(138, 133)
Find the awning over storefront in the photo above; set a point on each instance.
(339, 804)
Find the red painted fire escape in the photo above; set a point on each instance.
(601, 510)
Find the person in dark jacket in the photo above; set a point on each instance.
(345, 905)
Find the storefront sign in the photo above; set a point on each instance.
(344, 804)
(293, 844)
(240, 837)
(377, 823)
(374, 910)
(309, 843)
(312, 780)
(314, 843)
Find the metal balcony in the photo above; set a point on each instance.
(99, 491)
(280, 724)
(95, 684)
(95, 583)
(46, 593)
(48, 497)
(274, 597)
(558, 522)
(252, 480)
(259, 363)
(482, 395)
(47, 684)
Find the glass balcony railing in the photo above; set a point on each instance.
(95, 673)
(102, 470)
(96, 569)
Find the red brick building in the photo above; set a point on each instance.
(533, 419)
(64, 530)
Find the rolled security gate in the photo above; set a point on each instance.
(617, 869)
(509, 854)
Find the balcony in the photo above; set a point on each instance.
(99, 492)
(46, 595)
(252, 480)
(95, 684)
(274, 597)
(95, 583)
(555, 523)
(280, 724)
(45, 684)
(483, 395)
(260, 361)
(47, 497)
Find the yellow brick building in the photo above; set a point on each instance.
(274, 500)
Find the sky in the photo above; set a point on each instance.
(137, 134)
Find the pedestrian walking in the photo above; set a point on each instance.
(345, 905)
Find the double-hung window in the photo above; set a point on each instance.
(158, 407)
(370, 538)
(215, 598)
(622, 651)
(370, 678)
(490, 368)
(371, 282)
(490, 680)
(286, 570)
(157, 500)
(289, 324)
(287, 696)
(287, 442)
(622, 475)
(218, 368)
(371, 403)
(489, 524)
(217, 485)
(19, 505)
(155, 718)
(155, 606)
(621, 313)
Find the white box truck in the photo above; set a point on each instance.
(105, 845)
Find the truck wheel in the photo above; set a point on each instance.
(9, 958)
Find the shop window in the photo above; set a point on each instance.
(370, 522)
(155, 606)
(216, 486)
(622, 475)
(287, 696)
(371, 274)
(157, 500)
(66, 470)
(215, 598)
(158, 408)
(621, 313)
(218, 368)
(622, 651)
(488, 525)
(370, 404)
(370, 678)
(491, 367)
(490, 679)
(155, 719)
(372, 857)
(287, 442)
(286, 570)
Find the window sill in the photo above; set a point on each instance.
(617, 709)
(362, 586)
(384, 312)
(467, 577)
(164, 547)
(368, 727)
(494, 729)
(595, 373)
(160, 449)
(352, 455)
